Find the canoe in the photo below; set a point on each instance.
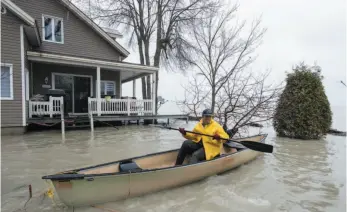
(141, 175)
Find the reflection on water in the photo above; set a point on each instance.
(298, 176)
(303, 170)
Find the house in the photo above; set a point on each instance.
(51, 44)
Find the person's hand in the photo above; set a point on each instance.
(182, 131)
(216, 137)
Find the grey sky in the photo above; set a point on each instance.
(310, 31)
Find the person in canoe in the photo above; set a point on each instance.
(202, 147)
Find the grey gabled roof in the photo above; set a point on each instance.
(94, 26)
(31, 21)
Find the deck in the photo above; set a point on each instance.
(83, 121)
(48, 120)
(52, 114)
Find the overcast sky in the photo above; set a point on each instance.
(310, 31)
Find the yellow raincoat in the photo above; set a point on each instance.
(212, 147)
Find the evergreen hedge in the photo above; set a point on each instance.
(303, 110)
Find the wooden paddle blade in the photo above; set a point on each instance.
(257, 146)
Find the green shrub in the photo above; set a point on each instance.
(303, 110)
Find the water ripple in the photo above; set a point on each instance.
(298, 176)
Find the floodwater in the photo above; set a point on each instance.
(298, 176)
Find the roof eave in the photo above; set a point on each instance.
(31, 27)
(87, 62)
(19, 12)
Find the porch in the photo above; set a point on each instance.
(119, 107)
(89, 87)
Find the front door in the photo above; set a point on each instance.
(77, 90)
(65, 82)
(81, 94)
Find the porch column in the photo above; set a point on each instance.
(98, 92)
(154, 80)
(120, 84)
(134, 88)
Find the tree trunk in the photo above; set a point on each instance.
(158, 51)
(144, 93)
(156, 64)
(213, 102)
(225, 123)
(148, 78)
(148, 63)
(142, 60)
(148, 81)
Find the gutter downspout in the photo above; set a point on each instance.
(22, 56)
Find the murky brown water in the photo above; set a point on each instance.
(298, 176)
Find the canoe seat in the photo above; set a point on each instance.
(129, 166)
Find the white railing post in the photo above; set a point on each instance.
(62, 118)
(91, 122)
(98, 92)
(61, 101)
(30, 109)
(89, 105)
(50, 107)
(121, 106)
(90, 112)
(154, 92)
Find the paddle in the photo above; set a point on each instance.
(257, 146)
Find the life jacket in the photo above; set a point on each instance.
(212, 147)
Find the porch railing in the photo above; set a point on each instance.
(121, 106)
(51, 107)
(107, 106)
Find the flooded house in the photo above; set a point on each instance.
(52, 54)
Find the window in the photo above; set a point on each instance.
(53, 29)
(6, 82)
(107, 88)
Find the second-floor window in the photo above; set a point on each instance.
(53, 29)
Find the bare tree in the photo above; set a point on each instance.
(161, 101)
(246, 99)
(173, 17)
(218, 51)
(166, 18)
(138, 18)
(195, 96)
(221, 56)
